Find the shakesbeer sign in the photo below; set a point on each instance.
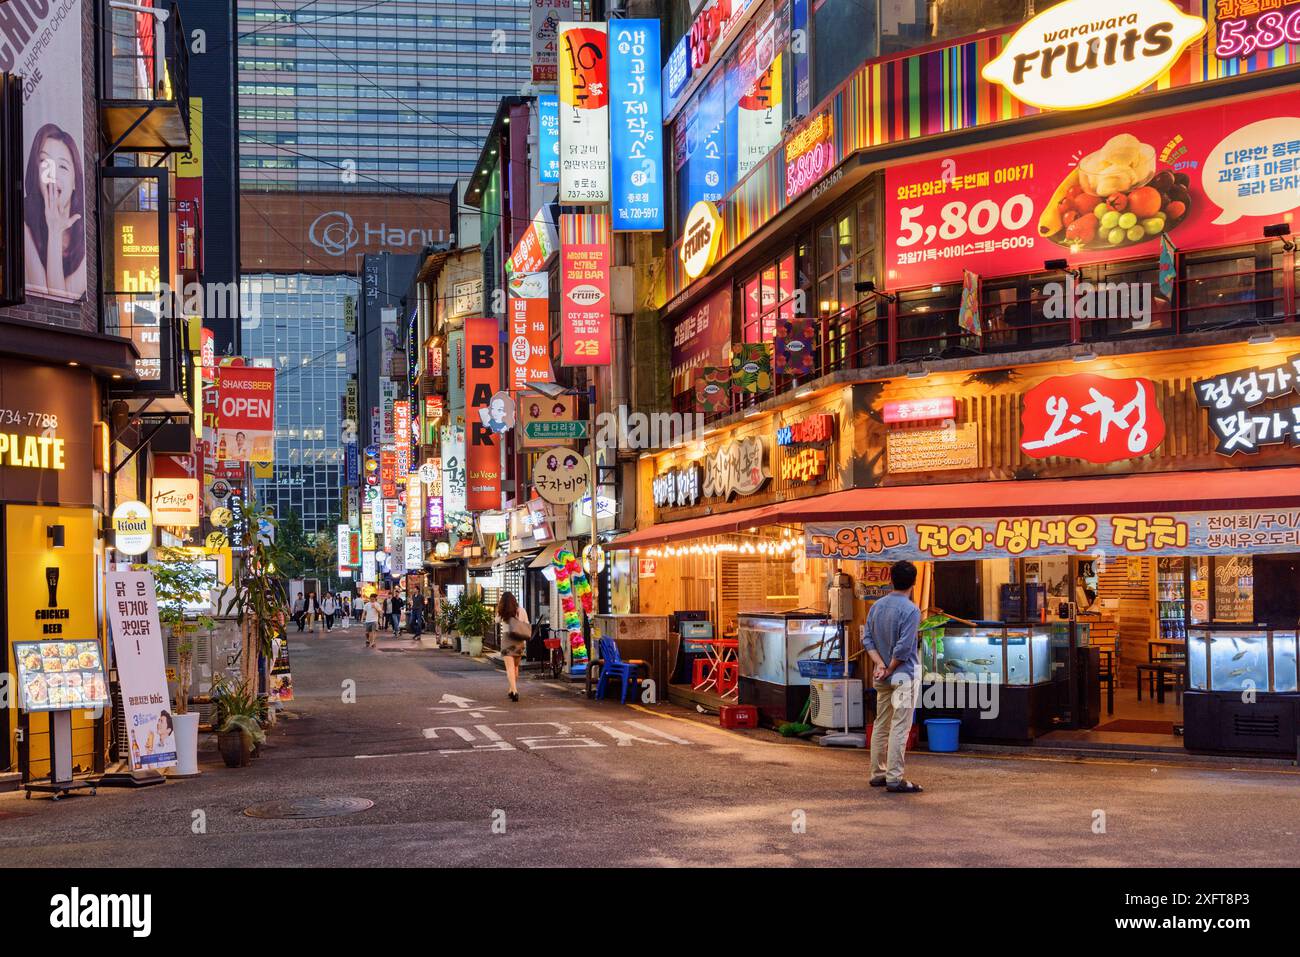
(245, 414)
(1085, 53)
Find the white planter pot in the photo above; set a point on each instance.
(187, 743)
(471, 645)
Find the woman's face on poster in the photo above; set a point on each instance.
(56, 166)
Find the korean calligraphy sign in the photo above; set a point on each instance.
(1232, 403)
(1091, 417)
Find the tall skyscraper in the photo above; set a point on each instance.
(363, 94)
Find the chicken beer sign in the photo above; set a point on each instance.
(1085, 53)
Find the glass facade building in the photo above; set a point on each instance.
(365, 94)
(299, 330)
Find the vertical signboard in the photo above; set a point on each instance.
(482, 381)
(453, 475)
(456, 371)
(343, 540)
(583, 65)
(402, 438)
(138, 653)
(529, 319)
(548, 137)
(433, 510)
(585, 322)
(545, 18)
(636, 125)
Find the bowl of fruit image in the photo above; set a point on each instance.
(1114, 198)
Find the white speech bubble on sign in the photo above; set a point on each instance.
(1278, 129)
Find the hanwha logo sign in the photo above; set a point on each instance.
(333, 232)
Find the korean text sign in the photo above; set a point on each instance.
(245, 414)
(482, 382)
(529, 324)
(1091, 417)
(138, 651)
(585, 322)
(636, 125)
(1232, 404)
(1204, 177)
(584, 113)
(1184, 533)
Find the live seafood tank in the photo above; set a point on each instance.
(1239, 659)
(993, 652)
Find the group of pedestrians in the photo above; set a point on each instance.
(310, 611)
(393, 612)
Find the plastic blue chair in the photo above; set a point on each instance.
(612, 665)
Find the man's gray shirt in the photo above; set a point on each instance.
(892, 631)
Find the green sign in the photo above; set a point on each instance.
(556, 430)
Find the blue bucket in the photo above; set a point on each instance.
(941, 733)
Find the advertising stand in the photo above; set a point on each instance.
(58, 677)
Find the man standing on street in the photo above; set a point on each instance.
(892, 643)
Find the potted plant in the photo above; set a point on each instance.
(450, 615)
(239, 731)
(473, 618)
(182, 583)
(256, 596)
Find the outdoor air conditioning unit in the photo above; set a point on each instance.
(826, 702)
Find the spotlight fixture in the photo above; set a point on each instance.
(1087, 356)
(54, 534)
(868, 285)
(1281, 231)
(1062, 265)
(1264, 338)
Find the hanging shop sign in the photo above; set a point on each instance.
(701, 237)
(701, 337)
(561, 476)
(245, 414)
(543, 21)
(545, 421)
(1085, 53)
(548, 138)
(1205, 177)
(132, 528)
(414, 551)
(805, 448)
(132, 608)
(536, 246)
(342, 538)
(1230, 401)
(482, 385)
(1091, 417)
(713, 390)
(794, 345)
(453, 476)
(1244, 28)
(529, 324)
(176, 501)
(401, 446)
(809, 154)
(433, 358)
(584, 113)
(934, 450)
(500, 415)
(920, 410)
(585, 321)
(388, 473)
(1223, 532)
(636, 125)
(466, 297)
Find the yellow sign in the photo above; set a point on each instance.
(701, 237)
(1084, 53)
(132, 528)
(191, 163)
(31, 451)
(221, 516)
(216, 540)
(263, 470)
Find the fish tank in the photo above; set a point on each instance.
(994, 652)
(1241, 658)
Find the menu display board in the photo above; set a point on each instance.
(59, 675)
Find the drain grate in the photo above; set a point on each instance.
(305, 809)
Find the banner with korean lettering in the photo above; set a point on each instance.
(1225, 532)
(636, 125)
(482, 382)
(544, 19)
(536, 245)
(402, 442)
(548, 137)
(585, 321)
(1232, 404)
(245, 414)
(1204, 177)
(528, 326)
(584, 113)
(138, 642)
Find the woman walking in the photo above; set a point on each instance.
(518, 630)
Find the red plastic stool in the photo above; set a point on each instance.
(700, 671)
(728, 675)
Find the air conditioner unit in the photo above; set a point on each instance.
(827, 702)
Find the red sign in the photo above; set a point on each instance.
(433, 358)
(701, 337)
(175, 467)
(1091, 417)
(529, 312)
(482, 444)
(535, 246)
(918, 410)
(584, 309)
(245, 413)
(1207, 177)
(809, 155)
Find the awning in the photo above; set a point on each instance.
(1163, 491)
(718, 524)
(546, 556)
(516, 556)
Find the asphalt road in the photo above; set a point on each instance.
(461, 776)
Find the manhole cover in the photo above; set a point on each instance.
(302, 809)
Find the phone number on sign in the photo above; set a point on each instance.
(42, 420)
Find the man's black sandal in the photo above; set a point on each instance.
(904, 787)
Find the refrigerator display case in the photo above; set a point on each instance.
(1241, 689)
(770, 646)
(999, 679)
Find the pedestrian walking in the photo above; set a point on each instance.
(313, 613)
(417, 614)
(328, 608)
(371, 613)
(515, 621)
(892, 643)
(395, 613)
(386, 609)
(299, 610)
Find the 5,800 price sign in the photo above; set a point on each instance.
(957, 220)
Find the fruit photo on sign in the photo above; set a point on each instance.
(1115, 197)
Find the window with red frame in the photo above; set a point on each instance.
(765, 295)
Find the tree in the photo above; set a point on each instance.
(293, 546)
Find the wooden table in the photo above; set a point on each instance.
(1174, 647)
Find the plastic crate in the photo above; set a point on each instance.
(825, 668)
(738, 716)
